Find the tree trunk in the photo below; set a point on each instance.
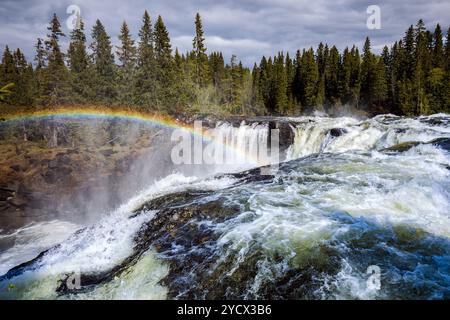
(25, 136)
(53, 141)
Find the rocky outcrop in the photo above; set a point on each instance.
(443, 143)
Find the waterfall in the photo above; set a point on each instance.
(337, 135)
(320, 221)
(246, 145)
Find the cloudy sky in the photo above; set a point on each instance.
(246, 28)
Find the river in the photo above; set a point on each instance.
(358, 209)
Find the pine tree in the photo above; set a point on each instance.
(79, 65)
(144, 88)
(164, 67)
(290, 73)
(8, 74)
(344, 76)
(447, 51)
(355, 78)
(25, 84)
(126, 54)
(257, 100)
(373, 77)
(367, 73)
(201, 59)
(217, 69)
(281, 85)
(332, 76)
(380, 85)
(234, 84)
(438, 48)
(55, 78)
(103, 65)
(422, 68)
(389, 76)
(183, 86)
(310, 80)
(40, 54)
(297, 80)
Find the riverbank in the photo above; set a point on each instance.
(39, 182)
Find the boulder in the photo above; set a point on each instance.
(443, 143)
(337, 132)
(401, 147)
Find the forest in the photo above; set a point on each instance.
(412, 77)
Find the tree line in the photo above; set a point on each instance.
(411, 77)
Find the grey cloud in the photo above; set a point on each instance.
(246, 28)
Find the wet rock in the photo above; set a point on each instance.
(18, 201)
(443, 143)
(337, 132)
(107, 152)
(6, 193)
(16, 167)
(53, 164)
(401, 147)
(285, 131)
(63, 159)
(57, 174)
(33, 162)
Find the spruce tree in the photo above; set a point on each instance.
(144, 84)
(422, 68)
(257, 96)
(387, 57)
(8, 74)
(344, 76)
(217, 69)
(103, 65)
(332, 76)
(40, 55)
(234, 84)
(297, 80)
(367, 74)
(438, 48)
(201, 59)
(55, 78)
(281, 85)
(24, 94)
(447, 52)
(164, 67)
(79, 65)
(126, 54)
(310, 80)
(355, 78)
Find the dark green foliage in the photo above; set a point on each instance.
(79, 65)
(126, 54)
(5, 91)
(412, 77)
(104, 68)
(55, 76)
(201, 59)
(144, 82)
(164, 68)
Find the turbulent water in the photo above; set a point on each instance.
(354, 199)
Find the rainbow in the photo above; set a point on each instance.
(86, 113)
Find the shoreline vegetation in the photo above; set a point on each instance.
(145, 74)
